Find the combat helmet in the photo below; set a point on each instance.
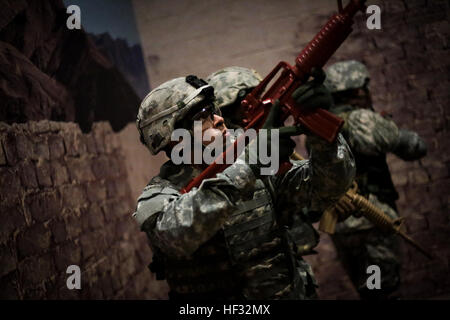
(231, 82)
(166, 105)
(346, 75)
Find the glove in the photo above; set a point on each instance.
(285, 144)
(410, 146)
(313, 94)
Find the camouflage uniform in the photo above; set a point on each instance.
(231, 85)
(370, 137)
(223, 240)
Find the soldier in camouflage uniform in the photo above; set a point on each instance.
(370, 136)
(231, 85)
(223, 240)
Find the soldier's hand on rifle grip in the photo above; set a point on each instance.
(286, 144)
(313, 94)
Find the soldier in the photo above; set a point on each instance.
(231, 85)
(370, 137)
(223, 240)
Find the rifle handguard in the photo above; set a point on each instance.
(370, 212)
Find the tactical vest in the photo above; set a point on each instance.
(251, 257)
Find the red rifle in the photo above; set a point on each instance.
(257, 104)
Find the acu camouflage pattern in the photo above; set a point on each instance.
(346, 75)
(369, 246)
(230, 238)
(358, 242)
(369, 133)
(358, 250)
(228, 82)
(370, 137)
(171, 93)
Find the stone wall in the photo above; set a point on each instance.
(65, 200)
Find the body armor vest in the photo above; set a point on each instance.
(251, 257)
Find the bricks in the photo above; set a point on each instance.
(56, 146)
(113, 189)
(54, 192)
(80, 170)
(40, 149)
(88, 242)
(90, 144)
(96, 191)
(44, 206)
(34, 240)
(34, 269)
(59, 232)
(39, 126)
(438, 219)
(27, 172)
(416, 222)
(10, 149)
(3, 160)
(66, 255)
(106, 284)
(8, 259)
(59, 173)
(12, 219)
(101, 167)
(99, 130)
(73, 225)
(9, 182)
(418, 177)
(95, 217)
(8, 285)
(74, 143)
(73, 195)
(43, 173)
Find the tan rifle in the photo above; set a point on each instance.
(352, 202)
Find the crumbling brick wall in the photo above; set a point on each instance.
(65, 200)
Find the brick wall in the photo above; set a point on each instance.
(65, 200)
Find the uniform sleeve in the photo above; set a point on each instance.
(410, 146)
(372, 135)
(178, 223)
(369, 133)
(320, 181)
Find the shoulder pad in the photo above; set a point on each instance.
(151, 191)
(152, 200)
